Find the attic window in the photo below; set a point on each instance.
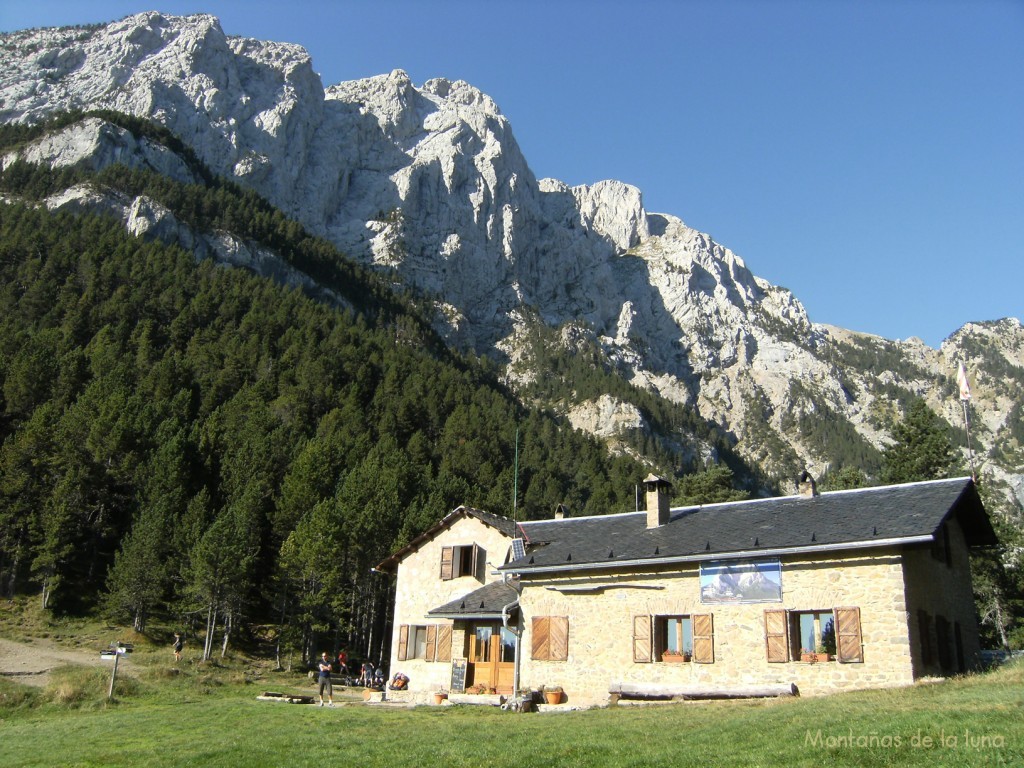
(463, 560)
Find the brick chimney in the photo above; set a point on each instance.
(805, 485)
(657, 500)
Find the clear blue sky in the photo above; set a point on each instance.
(866, 154)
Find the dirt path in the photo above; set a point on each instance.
(30, 663)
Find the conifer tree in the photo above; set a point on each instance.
(922, 449)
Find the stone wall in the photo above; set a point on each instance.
(941, 589)
(601, 608)
(420, 588)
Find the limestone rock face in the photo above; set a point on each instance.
(428, 184)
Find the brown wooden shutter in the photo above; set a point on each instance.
(776, 635)
(703, 638)
(540, 641)
(642, 640)
(558, 634)
(924, 630)
(849, 643)
(479, 561)
(403, 642)
(431, 648)
(444, 642)
(447, 563)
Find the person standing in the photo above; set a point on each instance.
(178, 645)
(325, 679)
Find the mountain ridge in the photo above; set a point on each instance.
(428, 185)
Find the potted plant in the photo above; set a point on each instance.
(440, 696)
(481, 689)
(806, 654)
(553, 694)
(675, 657)
(822, 654)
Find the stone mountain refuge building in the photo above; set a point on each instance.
(825, 592)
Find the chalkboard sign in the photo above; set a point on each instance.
(458, 676)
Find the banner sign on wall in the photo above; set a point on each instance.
(741, 581)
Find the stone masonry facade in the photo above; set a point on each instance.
(915, 604)
(601, 608)
(420, 588)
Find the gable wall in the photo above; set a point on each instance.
(419, 588)
(601, 628)
(941, 590)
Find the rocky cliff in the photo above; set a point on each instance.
(429, 184)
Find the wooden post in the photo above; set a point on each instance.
(113, 675)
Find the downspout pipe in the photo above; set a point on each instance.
(517, 631)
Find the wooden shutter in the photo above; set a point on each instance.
(558, 636)
(540, 642)
(403, 642)
(849, 643)
(479, 561)
(703, 638)
(924, 630)
(776, 635)
(431, 648)
(444, 642)
(642, 640)
(447, 563)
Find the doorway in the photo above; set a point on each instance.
(491, 656)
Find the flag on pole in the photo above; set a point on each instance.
(961, 379)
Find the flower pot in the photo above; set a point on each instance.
(809, 657)
(553, 697)
(440, 697)
(675, 658)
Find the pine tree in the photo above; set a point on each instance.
(922, 449)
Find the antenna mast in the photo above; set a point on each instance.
(515, 480)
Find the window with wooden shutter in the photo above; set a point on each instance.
(642, 646)
(447, 563)
(924, 630)
(540, 642)
(444, 642)
(403, 642)
(550, 638)
(431, 648)
(776, 635)
(558, 634)
(849, 643)
(703, 638)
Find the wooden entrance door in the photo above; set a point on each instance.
(491, 657)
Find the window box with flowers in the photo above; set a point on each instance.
(676, 657)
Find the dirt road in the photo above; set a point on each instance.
(30, 663)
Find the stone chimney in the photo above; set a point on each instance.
(805, 485)
(657, 500)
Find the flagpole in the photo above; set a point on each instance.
(970, 451)
(965, 398)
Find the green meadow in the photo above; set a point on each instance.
(209, 715)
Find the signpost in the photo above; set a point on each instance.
(118, 649)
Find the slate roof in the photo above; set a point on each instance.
(484, 603)
(834, 521)
(503, 524)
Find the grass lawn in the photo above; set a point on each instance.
(210, 717)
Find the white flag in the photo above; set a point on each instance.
(961, 379)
